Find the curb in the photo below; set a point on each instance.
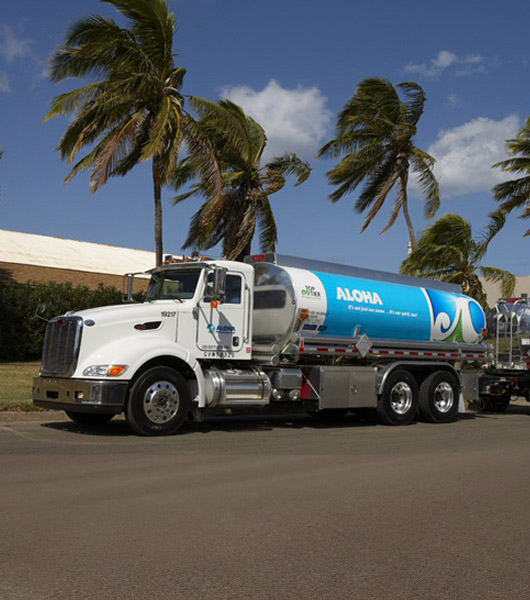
(12, 416)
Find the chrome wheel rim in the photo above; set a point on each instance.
(161, 402)
(444, 397)
(401, 398)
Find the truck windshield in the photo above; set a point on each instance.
(173, 285)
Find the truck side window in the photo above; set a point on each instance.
(232, 289)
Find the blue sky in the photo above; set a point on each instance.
(292, 64)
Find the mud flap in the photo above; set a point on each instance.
(461, 403)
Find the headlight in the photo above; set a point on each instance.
(105, 370)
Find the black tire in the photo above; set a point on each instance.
(328, 414)
(439, 396)
(496, 404)
(398, 403)
(89, 418)
(159, 402)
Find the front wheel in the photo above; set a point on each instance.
(398, 403)
(439, 398)
(88, 418)
(159, 402)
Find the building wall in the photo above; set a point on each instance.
(493, 290)
(23, 273)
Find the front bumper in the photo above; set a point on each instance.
(80, 395)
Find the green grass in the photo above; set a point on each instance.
(15, 385)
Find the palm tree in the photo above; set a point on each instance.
(134, 111)
(244, 204)
(375, 137)
(447, 251)
(516, 193)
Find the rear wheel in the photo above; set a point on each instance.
(439, 398)
(398, 403)
(496, 404)
(159, 402)
(88, 418)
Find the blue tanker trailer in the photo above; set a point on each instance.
(345, 302)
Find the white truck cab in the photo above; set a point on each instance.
(195, 311)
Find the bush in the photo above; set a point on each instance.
(22, 331)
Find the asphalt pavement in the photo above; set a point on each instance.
(259, 508)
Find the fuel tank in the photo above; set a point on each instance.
(347, 303)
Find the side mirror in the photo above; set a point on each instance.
(219, 284)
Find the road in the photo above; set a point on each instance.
(263, 508)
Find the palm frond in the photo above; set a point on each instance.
(422, 165)
(416, 99)
(367, 163)
(268, 231)
(153, 24)
(381, 191)
(518, 164)
(228, 119)
(160, 126)
(206, 164)
(505, 278)
(116, 148)
(195, 191)
(497, 222)
(289, 164)
(432, 258)
(75, 100)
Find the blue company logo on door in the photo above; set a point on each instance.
(220, 328)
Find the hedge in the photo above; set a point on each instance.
(22, 331)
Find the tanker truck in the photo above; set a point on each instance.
(508, 375)
(272, 333)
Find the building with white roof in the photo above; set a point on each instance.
(31, 257)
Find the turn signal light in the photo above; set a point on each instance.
(116, 370)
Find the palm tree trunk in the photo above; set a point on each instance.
(157, 188)
(404, 179)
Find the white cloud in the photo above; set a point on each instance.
(4, 83)
(453, 100)
(470, 64)
(13, 47)
(295, 120)
(464, 155)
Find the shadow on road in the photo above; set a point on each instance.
(259, 423)
(118, 427)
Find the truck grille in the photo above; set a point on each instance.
(61, 346)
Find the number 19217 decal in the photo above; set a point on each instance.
(168, 313)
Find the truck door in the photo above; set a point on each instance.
(222, 328)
